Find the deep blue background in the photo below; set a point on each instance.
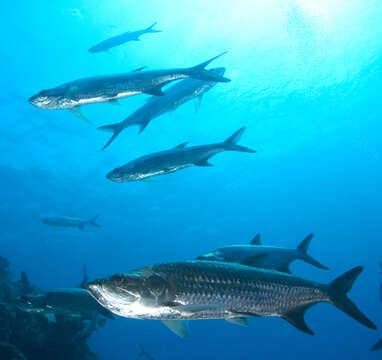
(306, 81)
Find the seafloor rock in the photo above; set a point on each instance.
(31, 336)
(4, 269)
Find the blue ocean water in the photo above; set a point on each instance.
(306, 81)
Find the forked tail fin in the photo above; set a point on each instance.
(338, 290)
(303, 253)
(199, 71)
(151, 30)
(115, 129)
(93, 221)
(231, 142)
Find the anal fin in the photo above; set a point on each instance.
(296, 318)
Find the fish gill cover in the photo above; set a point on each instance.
(305, 83)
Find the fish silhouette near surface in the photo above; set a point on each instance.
(70, 221)
(71, 301)
(267, 257)
(117, 40)
(174, 96)
(199, 290)
(109, 88)
(178, 158)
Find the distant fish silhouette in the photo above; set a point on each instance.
(70, 221)
(145, 353)
(268, 257)
(121, 39)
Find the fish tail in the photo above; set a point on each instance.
(337, 292)
(115, 129)
(151, 30)
(93, 221)
(199, 71)
(231, 142)
(303, 253)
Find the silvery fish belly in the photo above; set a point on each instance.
(194, 290)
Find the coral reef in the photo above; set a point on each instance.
(34, 336)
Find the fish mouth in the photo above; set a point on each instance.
(112, 176)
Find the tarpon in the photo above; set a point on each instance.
(75, 302)
(180, 157)
(70, 221)
(175, 96)
(121, 39)
(267, 257)
(109, 88)
(199, 290)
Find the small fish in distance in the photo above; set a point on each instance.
(201, 290)
(266, 257)
(145, 353)
(178, 158)
(70, 221)
(175, 96)
(109, 88)
(121, 39)
(71, 301)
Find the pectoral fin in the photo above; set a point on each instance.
(192, 309)
(114, 102)
(241, 321)
(149, 180)
(77, 112)
(255, 261)
(178, 327)
(72, 92)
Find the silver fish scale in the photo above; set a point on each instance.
(236, 289)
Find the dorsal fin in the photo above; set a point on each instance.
(139, 69)
(256, 240)
(182, 145)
